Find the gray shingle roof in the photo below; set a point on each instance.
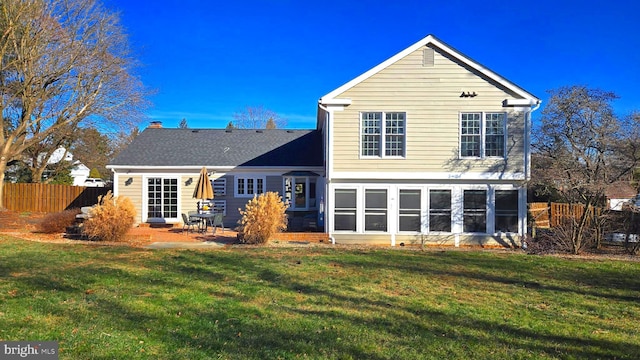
(219, 147)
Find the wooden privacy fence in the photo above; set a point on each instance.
(49, 198)
(546, 215)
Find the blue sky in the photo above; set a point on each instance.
(206, 60)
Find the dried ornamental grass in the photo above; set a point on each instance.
(263, 216)
(111, 219)
(57, 222)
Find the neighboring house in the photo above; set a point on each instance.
(620, 193)
(79, 172)
(429, 146)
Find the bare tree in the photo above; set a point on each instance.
(183, 124)
(62, 63)
(257, 117)
(582, 148)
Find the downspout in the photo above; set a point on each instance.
(527, 160)
(527, 132)
(328, 160)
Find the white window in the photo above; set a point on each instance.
(344, 217)
(219, 186)
(248, 186)
(506, 211)
(375, 210)
(475, 211)
(382, 140)
(440, 210)
(409, 211)
(482, 134)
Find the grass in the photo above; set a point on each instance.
(316, 302)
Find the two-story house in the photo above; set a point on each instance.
(428, 146)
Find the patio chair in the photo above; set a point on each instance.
(189, 225)
(217, 221)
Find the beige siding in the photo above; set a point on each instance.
(133, 190)
(187, 202)
(430, 96)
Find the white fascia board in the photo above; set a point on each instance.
(332, 101)
(520, 102)
(235, 169)
(430, 39)
(427, 176)
(152, 167)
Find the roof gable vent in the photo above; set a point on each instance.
(427, 57)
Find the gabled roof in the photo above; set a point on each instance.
(430, 40)
(163, 147)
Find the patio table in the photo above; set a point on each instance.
(206, 219)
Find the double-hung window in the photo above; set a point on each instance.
(248, 186)
(440, 210)
(409, 212)
(345, 210)
(475, 211)
(375, 210)
(382, 139)
(482, 134)
(506, 214)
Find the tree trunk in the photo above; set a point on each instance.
(36, 174)
(578, 233)
(3, 168)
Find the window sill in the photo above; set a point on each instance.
(383, 157)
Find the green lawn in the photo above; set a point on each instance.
(316, 302)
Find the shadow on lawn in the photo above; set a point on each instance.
(223, 317)
(518, 270)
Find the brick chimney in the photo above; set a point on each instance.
(155, 125)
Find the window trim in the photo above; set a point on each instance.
(245, 179)
(382, 149)
(483, 135)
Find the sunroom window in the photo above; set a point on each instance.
(375, 210)
(440, 210)
(344, 218)
(506, 211)
(409, 212)
(475, 211)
